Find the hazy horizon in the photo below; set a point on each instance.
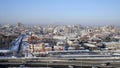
(84, 12)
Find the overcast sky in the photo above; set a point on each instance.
(84, 12)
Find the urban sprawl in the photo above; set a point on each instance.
(39, 40)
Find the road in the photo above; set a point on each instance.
(114, 62)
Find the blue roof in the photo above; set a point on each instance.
(16, 43)
(24, 44)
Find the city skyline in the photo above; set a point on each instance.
(85, 12)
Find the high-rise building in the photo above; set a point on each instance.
(19, 24)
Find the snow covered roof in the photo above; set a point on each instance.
(4, 51)
(89, 45)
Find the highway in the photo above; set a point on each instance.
(114, 61)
